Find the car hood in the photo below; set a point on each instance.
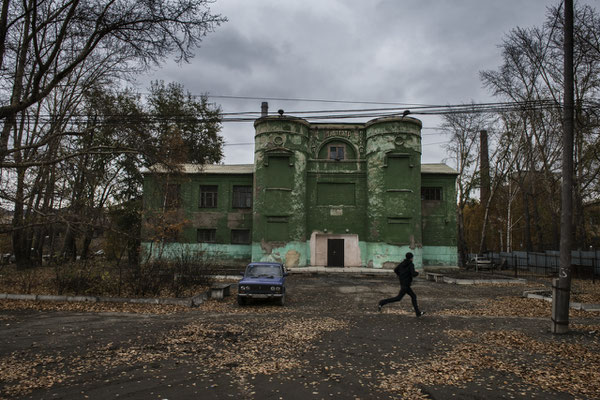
(261, 281)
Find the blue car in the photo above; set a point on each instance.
(262, 280)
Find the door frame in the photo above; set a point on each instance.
(318, 249)
(333, 259)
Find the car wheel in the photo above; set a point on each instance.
(241, 301)
(281, 300)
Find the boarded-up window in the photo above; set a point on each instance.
(277, 229)
(336, 194)
(240, 236)
(242, 197)
(397, 172)
(279, 173)
(399, 229)
(208, 196)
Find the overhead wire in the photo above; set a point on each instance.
(339, 114)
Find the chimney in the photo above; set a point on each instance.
(485, 168)
(264, 109)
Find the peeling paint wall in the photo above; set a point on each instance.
(370, 196)
(382, 255)
(393, 156)
(279, 214)
(291, 254)
(440, 255)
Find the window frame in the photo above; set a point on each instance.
(203, 203)
(241, 202)
(338, 147)
(235, 239)
(172, 196)
(212, 235)
(432, 193)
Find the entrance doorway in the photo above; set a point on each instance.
(335, 252)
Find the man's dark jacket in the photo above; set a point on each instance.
(406, 271)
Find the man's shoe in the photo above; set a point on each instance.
(420, 313)
(379, 306)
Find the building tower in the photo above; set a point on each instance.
(393, 154)
(279, 215)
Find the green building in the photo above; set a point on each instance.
(343, 195)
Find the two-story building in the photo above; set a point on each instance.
(318, 194)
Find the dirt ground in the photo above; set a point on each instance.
(329, 341)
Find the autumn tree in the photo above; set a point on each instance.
(531, 74)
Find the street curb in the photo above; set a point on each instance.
(457, 281)
(535, 294)
(337, 271)
(186, 302)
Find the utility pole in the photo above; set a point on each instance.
(561, 287)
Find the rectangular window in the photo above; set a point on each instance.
(336, 152)
(431, 193)
(240, 236)
(242, 197)
(172, 196)
(207, 235)
(208, 196)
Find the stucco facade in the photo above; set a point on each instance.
(344, 195)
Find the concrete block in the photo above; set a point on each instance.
(591, 307)
(90, 299)
(105, 299)
(177, 302)
(48, 297)
(145, 301)
(199, 299)
(21, 297)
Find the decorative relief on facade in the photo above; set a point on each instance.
(399, 140)
(336, 212)
(278, 140)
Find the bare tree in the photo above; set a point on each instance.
(464, 144)
(531, 74)
(45, 41)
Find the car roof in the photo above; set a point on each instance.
(266, 263)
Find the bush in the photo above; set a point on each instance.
(79, 278)
(189, 269)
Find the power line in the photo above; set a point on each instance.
(316, 115)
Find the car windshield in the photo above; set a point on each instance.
(256, 271)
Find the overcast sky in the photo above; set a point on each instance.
(398, 51)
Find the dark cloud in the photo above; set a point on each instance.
(411, 51)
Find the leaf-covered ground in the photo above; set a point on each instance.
(329, 341)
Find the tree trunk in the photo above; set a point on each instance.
(527, 218)
(462, 245)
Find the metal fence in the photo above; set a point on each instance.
(585, 264)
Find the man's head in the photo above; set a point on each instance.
(409, 256)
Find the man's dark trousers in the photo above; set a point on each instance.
(404, 289)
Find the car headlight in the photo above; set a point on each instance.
(278, 288)
(272, 288)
